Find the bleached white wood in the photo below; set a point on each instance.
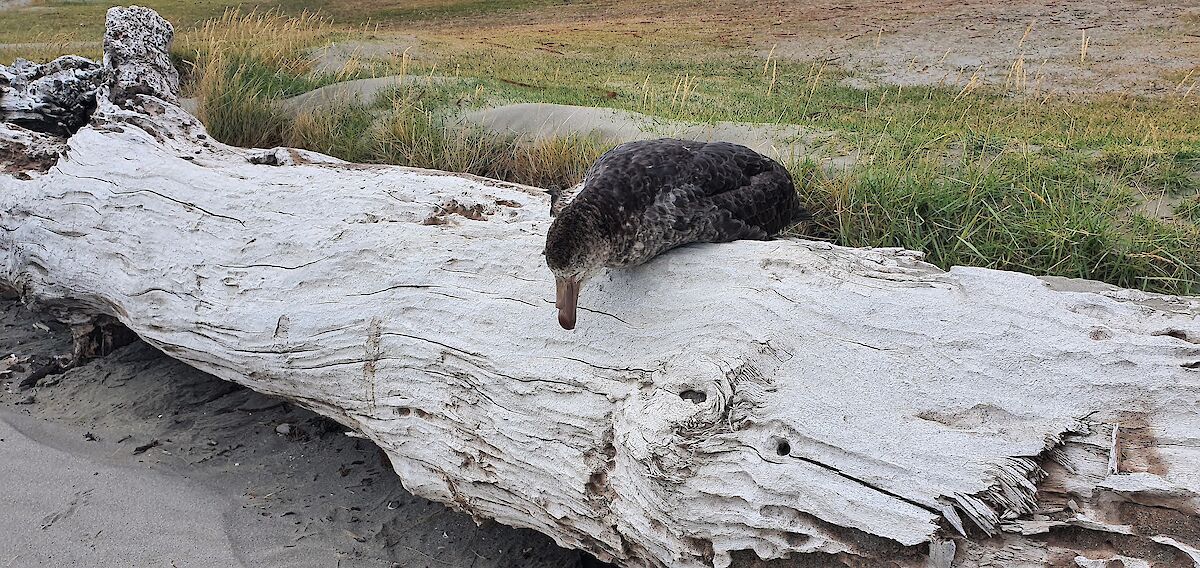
(856, 402)
(53, 97)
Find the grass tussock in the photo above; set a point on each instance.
(400, 129)
(1189, 209)
(238, 77)
(414, 135)
(1026, 213)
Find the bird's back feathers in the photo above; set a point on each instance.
(652, 195)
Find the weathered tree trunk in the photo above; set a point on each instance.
(723, 402)
(53, 98)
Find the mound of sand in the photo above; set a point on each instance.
(360, 90)
(541, 120)
(336, 57)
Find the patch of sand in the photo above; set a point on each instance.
(335, 57)
(1132, 45)
(541, 120)
(361, 90)
(73, 509)
(1161, 206)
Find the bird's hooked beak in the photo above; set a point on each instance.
(566, 298)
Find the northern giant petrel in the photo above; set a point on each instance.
(642, 198)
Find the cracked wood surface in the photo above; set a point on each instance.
(718, 404)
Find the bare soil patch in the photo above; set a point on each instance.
(1135, 47)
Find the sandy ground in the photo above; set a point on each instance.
(69, 498)
(334, 57)
(1133, 45)
(134, 459)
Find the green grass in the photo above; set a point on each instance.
(1189, 209)
(1026, 181)
(84, 19)
(409, 126)
(1027, 213)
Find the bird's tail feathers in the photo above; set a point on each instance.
(555, 193)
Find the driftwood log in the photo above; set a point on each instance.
(721, 405)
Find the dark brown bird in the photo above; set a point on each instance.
(642, 198)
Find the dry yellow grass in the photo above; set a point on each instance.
(237, 76)
(44, 48)
(258, 36)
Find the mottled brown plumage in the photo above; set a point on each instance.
(642, 198)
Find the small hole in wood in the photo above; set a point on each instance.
(693, 395)
(783, 448)
(403, 411)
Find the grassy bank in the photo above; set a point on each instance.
(1005, 176)
(408, 126)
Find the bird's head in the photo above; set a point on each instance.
(575, 252)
